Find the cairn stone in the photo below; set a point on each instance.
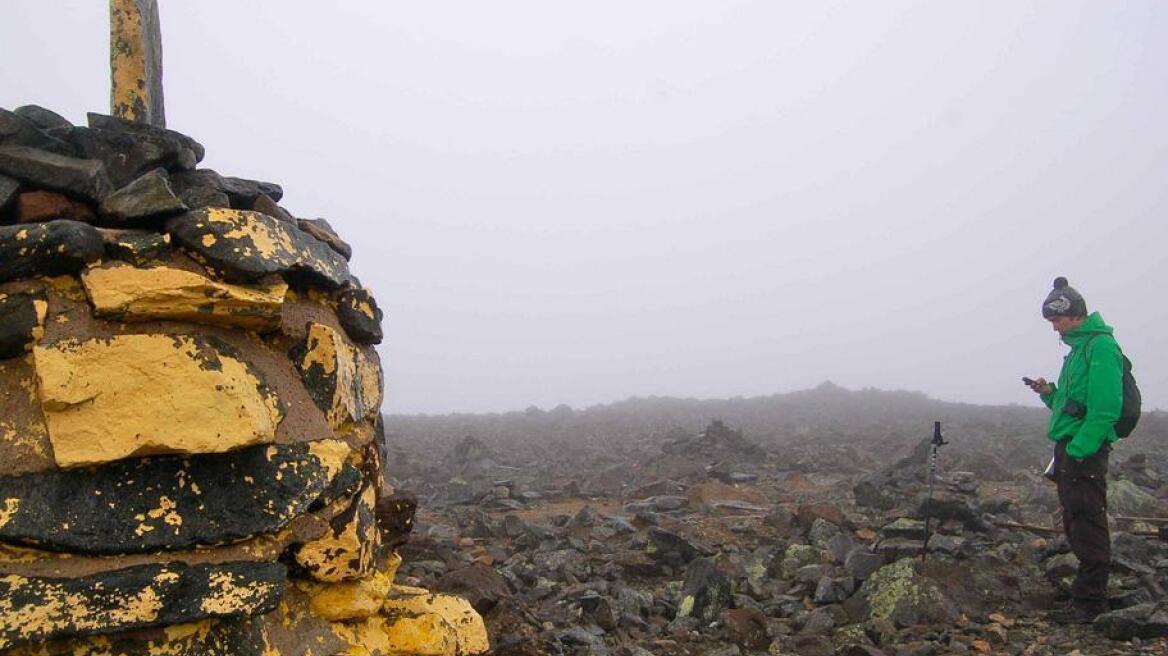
(83, 178)
(47, 249)
(190, 431)
(148, 197)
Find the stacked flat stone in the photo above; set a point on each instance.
(190, 434)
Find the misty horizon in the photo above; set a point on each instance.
(583, 204)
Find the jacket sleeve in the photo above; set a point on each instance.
(1104, 398)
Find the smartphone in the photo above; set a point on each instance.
(1028, 381)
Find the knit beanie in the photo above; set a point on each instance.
(1063, 301)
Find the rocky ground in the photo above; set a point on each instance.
(633, 529)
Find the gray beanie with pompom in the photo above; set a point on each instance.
(1063, 301)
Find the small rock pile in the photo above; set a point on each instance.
(190, 439)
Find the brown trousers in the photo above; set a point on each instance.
(1082, 490)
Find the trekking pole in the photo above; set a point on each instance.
(938, 442)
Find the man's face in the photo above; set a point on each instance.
(1063, 324)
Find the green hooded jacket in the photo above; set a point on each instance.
(1092, 375)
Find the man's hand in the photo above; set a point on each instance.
(1040, 386)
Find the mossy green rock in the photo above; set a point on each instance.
(898, 593)
(797, 556)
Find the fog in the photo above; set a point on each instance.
(577, 203)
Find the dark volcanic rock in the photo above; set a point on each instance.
(321, 229)
(148, 197)
(265, 205)
(16, 130)
(223, 637)
(360, 316)
(138, 247)
(22, 318)
(246, 246)
(244, 193)
(37, 609)
(672, 549)
(9, 190)
(200, 189)
(395, 517)
(481, 585)
(82, 178)
(44, 119)
(1143, 621)
(130, 149)
(185, 501)
(47, 249)
(706, 592)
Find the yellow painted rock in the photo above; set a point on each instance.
(160, 292)
(424, 635)
(342, 381)
(468, 626)
(201, 399)
(347, 550)
(352, 600)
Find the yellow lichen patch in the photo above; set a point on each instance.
(228, 596)
(162, 292)
(351, 600)
(201, 400)
(346, 551)
(7, 510)
(427, 635)
(470, 631)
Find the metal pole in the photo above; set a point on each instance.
(938, 442)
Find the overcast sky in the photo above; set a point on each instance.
(579, 202)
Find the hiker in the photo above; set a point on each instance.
(1085, 404)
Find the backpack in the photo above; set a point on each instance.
(1129, 415)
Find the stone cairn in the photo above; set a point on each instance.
(190, 430)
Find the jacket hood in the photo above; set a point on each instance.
(1094, 325)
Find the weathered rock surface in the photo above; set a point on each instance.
(159, 292)
(82, 178)
(225, 637)
(470, 634)
(360, 316)
(92, 391)
(47, 249)
(9, 191)
(34, 609)
(170, 502)
(22, 323)
(706, 592)
(246, 246)
(148, 197)
(17, 130)
(129, 149)
(352, 600)
(320, 229)
(346, 551)
(341, 380)
(45, 119)
(200, 189)
(138, 247)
